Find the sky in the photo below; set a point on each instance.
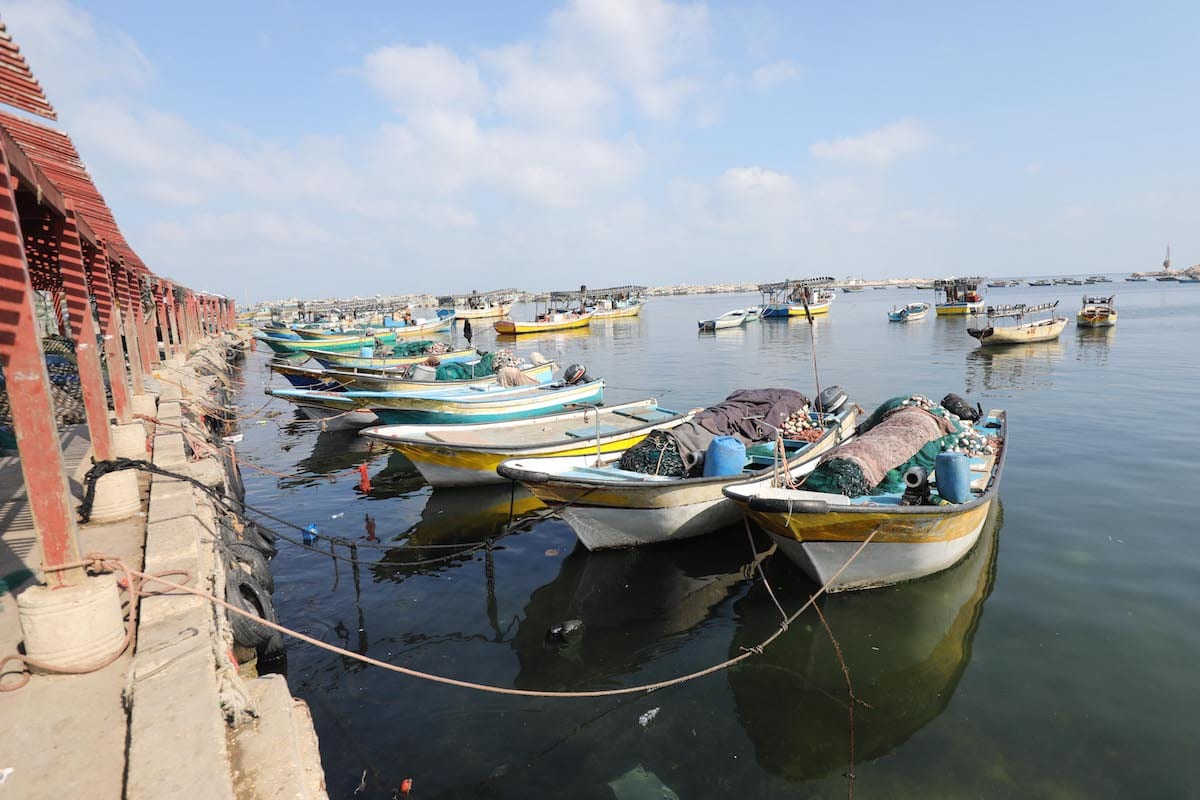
(274, 149)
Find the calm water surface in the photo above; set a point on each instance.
(1058, 660)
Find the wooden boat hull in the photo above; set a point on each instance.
(618, 313)
(959, 309)
(1097, 320)
(483, 313)
(909, 314)
(508, 327)
(341, 343)
(455, 463)
(422, 328)
(375, 382)
(330, 358)
(612, 514)
(432, 410)
(319, 337)
(1045, 331)
(784, 310)
(326, 405)
(820, 532)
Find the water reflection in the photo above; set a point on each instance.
(1093, 345)
(464, 517)
(1005, 371)
(631, 604)
(906, 648)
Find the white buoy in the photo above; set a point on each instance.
(72, 626)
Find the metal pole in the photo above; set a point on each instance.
(91, 380)
(29, 394)
(110, 324)
(131, 337)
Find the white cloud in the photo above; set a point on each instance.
(428, 76)
(881, 146)
(767, 77)
(537, 92)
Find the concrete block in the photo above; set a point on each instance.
(272, 756)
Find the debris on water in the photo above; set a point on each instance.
(234, 439)
(648, 717)
(362, 782)
(272, 414)
(260, 422)
(552, 552)
(406, 785)
(338, 515)
(640, 783)
(564, 629)
(311, 533)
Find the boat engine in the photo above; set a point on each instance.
(575, 374)
(960, 408)
(916, 487)
(831, 399)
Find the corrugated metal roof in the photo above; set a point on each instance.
(18, 87)
(55, 155)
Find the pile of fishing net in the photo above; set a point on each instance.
(904, 432)
(657, 454)
(467, 370)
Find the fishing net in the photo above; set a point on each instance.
(657, 454)
(408, 349)
(460, 371)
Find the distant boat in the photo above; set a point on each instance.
(1041, 282)
(753, 314)
(1098, 279)
(1136, 279)
(1189, 279)
(1097, 312)
(1165, 278)
(797, 298)
(1045, 330)
(910, 312)
(730, 319)
(960, 296)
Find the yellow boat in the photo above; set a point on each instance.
(1097, 312)
(615, 302)
(960, 296)
(797, 298)
(467, 455)
(821, 531)
(631, 310)
(552, 321)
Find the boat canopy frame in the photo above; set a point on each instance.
(1019, 310)
(791, 289)
(1100, 301)
(614, 293)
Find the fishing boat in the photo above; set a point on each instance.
(409, 353)
(479, 306)
(330, 345)
(753, 314)
(615, 302)
(335, 408)
(730, 319)
(797, 298)
(609, 506)
(563, 311)
(420, 326)
(1166, 278)
(491, 403)
(910, 312)
(1098, 279)
(391, 380)
(1166, 265)
(1097, 312)
(958, 296)
(468, 455)
(1041, 282)
(320, 335)
(1136, 279)
(1186, 278)
(870, 540)
(1020, 332)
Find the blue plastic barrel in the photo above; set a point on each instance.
(366, 351)
(726, 455)
(953, 477)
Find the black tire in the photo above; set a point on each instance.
(245, 593)
(255, 561)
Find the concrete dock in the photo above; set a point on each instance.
(174, 715)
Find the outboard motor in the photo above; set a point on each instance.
(916, 487)
(575, 374)
(961, 408)
(831, 399)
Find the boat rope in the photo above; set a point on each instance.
(101, 562)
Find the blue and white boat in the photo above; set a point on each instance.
(492, 403)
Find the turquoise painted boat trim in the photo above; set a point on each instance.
(394, 416)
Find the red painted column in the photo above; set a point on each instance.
(164, 330)
(91, 379)
(139, 318)
(29, 394)
(174, 312)
(121, 276)
(110, 324)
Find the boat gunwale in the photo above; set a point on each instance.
(814, 506)
(530, 476)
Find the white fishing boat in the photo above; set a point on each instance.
(608, 506)
(1020, 332)
(468, 455)
(909, 313)
(1097, 312)
(730, 319)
